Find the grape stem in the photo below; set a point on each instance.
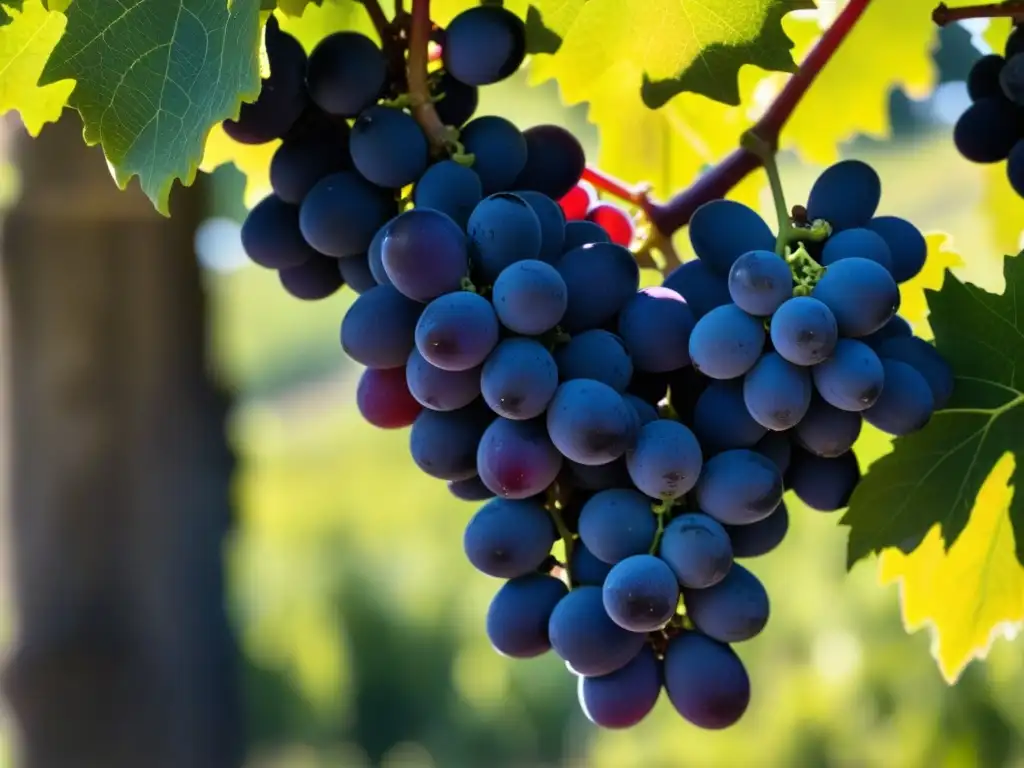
(379, 19)
(943, 14)
(765, 152)
(419, 88)
(675, 214)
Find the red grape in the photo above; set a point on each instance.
(578, 201)
(384, 400)
(613, 220)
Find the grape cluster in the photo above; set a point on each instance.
(630, 446)
(991, 130)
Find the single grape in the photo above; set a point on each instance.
(804, 331)
(586, 569)
(721, 420)
(342, 213)
(312, 280)
(739, 487)
(457, 331)
(655, 326)
(554, 161)
(450, 188)
(617, 523)
(552, 224)
(516, 459)
(457, 102)
(388, 147)
(906, 403)
(530, 297)
(852, 379)
(425, 254)
(508, 538)
(726, 342)
(503, 229)
(498, 149)
(666, 461)
(907, 245)
(1014, 43)
(828, 431)
(824, 484)
(347, 73)
(518, 617)
(519, 379)
(896, 327)
(613, 220)
(470, 489)
(601, 279)
(846, 195)
(777, 393)
(438, 389)
(641, 593)
(590, 423)
(703, 288)
(1015, 168)
(444, 445)
(355, 272)
(759, 282)
(983, 79)
(484, 45)
(723, 230)
(626, 696)
(697, 549)
(577, 201)
(733, 610)
(777, 448)
(379, 328)
(705, 681)
(383, 398)
(1011, 79)
(921, 355)
(282, 97)
(271, 236)
(759, 538)
(860, 243)
(598, 355)
(987, 130)
(599, 477)
(579, 233)
(645, 412)
(298, 164)
(861, 294)
(583, 635)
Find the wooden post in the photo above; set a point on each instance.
(119, 476)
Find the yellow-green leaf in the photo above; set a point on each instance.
(972, 593)
(671, 45)
(152, 78)
(252, 160)
(889, 47)
(25, 43)
(913, 303)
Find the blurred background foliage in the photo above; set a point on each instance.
(362, 624)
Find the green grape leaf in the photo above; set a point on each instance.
(152, 78)
(25, 43)
(933, 477)
(679, 45)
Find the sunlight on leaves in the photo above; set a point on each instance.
(142, 91)
(913, 304)
(25, 43)
(972, 594)
(252, 160)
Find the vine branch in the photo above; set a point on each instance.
(419, 89)
(943, 14)
(671, 216)
(378, 18)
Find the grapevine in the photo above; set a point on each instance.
(629, 447)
